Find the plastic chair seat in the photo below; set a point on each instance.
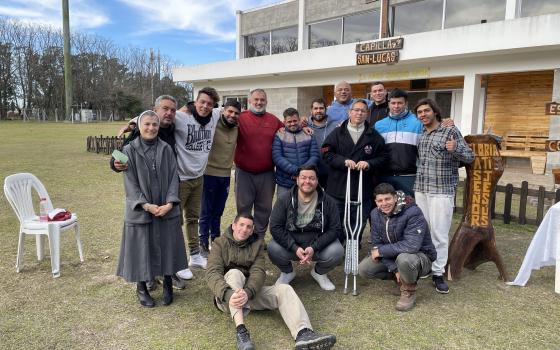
(18, 188)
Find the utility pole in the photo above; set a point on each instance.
(152, 74)
(67, 61)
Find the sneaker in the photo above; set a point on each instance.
(152, 285)
(244, 340)
(285, 278)
(185, 274)
(323, 280)
(307, 339)
(439, 283)
(197, 260)
(177, 282)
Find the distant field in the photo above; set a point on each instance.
(89, 308)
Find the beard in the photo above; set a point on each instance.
(319, 117)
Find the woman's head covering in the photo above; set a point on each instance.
(149, 113)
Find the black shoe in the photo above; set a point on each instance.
(167, 290)
(307, 339)
(178, 283)
(439, 283)
(152, 285)
(244, 340)
(144, 296)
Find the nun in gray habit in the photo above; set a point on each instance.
(152, 241)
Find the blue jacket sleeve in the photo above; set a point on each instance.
(313, 153)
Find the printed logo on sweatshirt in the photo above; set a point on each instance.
(198, 139)
(368, 149)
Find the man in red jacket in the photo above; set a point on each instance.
(254, 172)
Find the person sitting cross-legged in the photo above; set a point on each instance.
(305, 226)
(236, 276)
(402, 247)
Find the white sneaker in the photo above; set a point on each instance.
(185, 274)
(197, 260)
(323, 280)
(285, 278)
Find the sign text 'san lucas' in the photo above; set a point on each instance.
(377, 58)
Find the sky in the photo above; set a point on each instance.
(190, 32)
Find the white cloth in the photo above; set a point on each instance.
(543, 248)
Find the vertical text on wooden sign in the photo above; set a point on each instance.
(481, 183)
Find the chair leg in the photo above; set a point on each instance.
(19, 258)
(79, 242)
(54, 245)
(40, 243)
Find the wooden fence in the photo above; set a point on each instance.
(103, 144)
(541, 199)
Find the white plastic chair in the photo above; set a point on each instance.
(17, 188)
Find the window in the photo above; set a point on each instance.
(258, 44)
(361, 27)
(241, 99)
(416, 17)
(539, 7)
(466, 12)
(284, 40)
(326, 33)
(276, 41)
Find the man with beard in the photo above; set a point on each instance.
(322, 126)
(254, 173)
(218, 175)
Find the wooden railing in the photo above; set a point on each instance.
(544, 199)
(103, 144)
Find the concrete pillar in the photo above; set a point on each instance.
(512, 7)
(302, 30)
(239, 42)
(553, 158)
(471, 104)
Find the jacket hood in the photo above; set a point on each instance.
(229, 235)
(403, 201)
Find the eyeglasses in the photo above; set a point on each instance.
(359, 110)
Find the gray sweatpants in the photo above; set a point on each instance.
(253, 194)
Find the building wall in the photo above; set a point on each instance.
(280, 99)
(269, 18)
(317, 10)
(515, 102)
(305, 96)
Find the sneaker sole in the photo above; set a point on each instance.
(439, 290)
(321, 343)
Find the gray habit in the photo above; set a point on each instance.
(151, 246)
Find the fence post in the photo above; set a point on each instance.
(523, 203)
(507, 203)
(540, 205)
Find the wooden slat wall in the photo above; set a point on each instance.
(515, 102)
(446, 83)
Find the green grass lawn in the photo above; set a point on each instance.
(89, 308)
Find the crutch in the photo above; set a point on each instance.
(352, 232)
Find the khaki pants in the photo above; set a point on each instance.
(190, 192)
(281, 297)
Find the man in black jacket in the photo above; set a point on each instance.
(402, 247)
(304, 225)
(379, 107)
(355, 145)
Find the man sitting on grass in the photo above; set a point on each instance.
(236, 275)
(402, 246)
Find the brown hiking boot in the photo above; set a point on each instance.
(408, 297)
(393, 289)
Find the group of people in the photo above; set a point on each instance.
(401, 155)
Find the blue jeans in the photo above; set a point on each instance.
(400, 183)
(214, 195)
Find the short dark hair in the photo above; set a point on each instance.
(211, 92)
(243, 215)
(398, 93)
(384, 188)
(233, 103)
(433, 105)
(308, 167)
(319, 100)
(290, 112)
(376, 83)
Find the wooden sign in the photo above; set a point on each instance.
(552, 145)
(474, 242)
(552, 108)
(388, 57)
(380, 45)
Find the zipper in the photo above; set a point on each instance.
(387, 230)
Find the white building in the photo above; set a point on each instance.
(488, 63)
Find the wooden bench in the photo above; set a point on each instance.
(526, 146)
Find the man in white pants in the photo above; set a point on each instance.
(441, 150)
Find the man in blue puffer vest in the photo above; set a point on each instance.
(292, 149)
(402, 247)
